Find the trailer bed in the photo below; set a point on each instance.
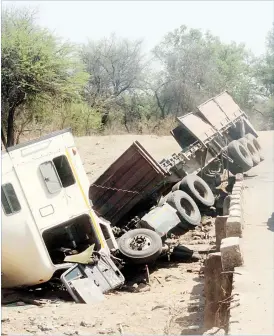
(132, 177)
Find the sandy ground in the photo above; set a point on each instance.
(255, 285)
(172, 304)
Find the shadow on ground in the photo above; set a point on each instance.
(192, 323)
(270, 223)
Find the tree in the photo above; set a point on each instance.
(116, 68)
(266, 66)
(197, 66)
(265, 79)
(36, 66)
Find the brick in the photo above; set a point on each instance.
(238, 188)
(234, 202)
(235, 212)
(239, 177)
(236, 191)
(234, 226)
(220, 230)
(235, 206)
(231, 255)
(239, 184)
(235, 197)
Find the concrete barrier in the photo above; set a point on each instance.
(220, 266)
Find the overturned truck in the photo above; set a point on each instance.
(52, 217)
(136, 193)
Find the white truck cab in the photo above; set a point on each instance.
(46, 213)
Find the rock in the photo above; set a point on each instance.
(194, 327)
(193, 308)
(158, 307)
(71, 333)
(145, 289)
(239, 177)
(85, 324)
(199, 234)
(170, 277)
(20, 303)
(106, 331)
(32, 330)
(196, 256)
(215, 331)
(44, 327)
(135, 286)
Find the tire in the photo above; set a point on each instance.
(256, 144)
(176, 186)
(251, 150)
(198, 189)
(240, 156)
(186, 207)
(148, 253)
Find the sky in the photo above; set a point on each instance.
(240, 21)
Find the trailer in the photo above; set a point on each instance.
(137, 192)
(52, 218)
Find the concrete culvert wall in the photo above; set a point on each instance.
(218, 286)
(219, 267)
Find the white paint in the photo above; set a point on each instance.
(25, 259)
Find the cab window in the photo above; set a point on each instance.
(57, 174)
(9, 199)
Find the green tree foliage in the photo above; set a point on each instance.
(198, 66)
(265, 78)
(35, 66)
(116, 71)
(266, 67)
(110, 85)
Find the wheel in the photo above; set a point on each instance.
(242, 159)
(251, 150)
(197, 188)
(176, 186)
(140, 246)
(186, 207)
(256, 144)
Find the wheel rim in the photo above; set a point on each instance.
(140, 242)
(243, 151)
(187, 207)
(256, 144)
(200, 188)
(251, 149)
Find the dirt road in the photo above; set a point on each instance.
(255, 285)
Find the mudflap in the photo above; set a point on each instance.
(88, 283)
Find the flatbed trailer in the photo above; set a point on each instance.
(137, 178)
